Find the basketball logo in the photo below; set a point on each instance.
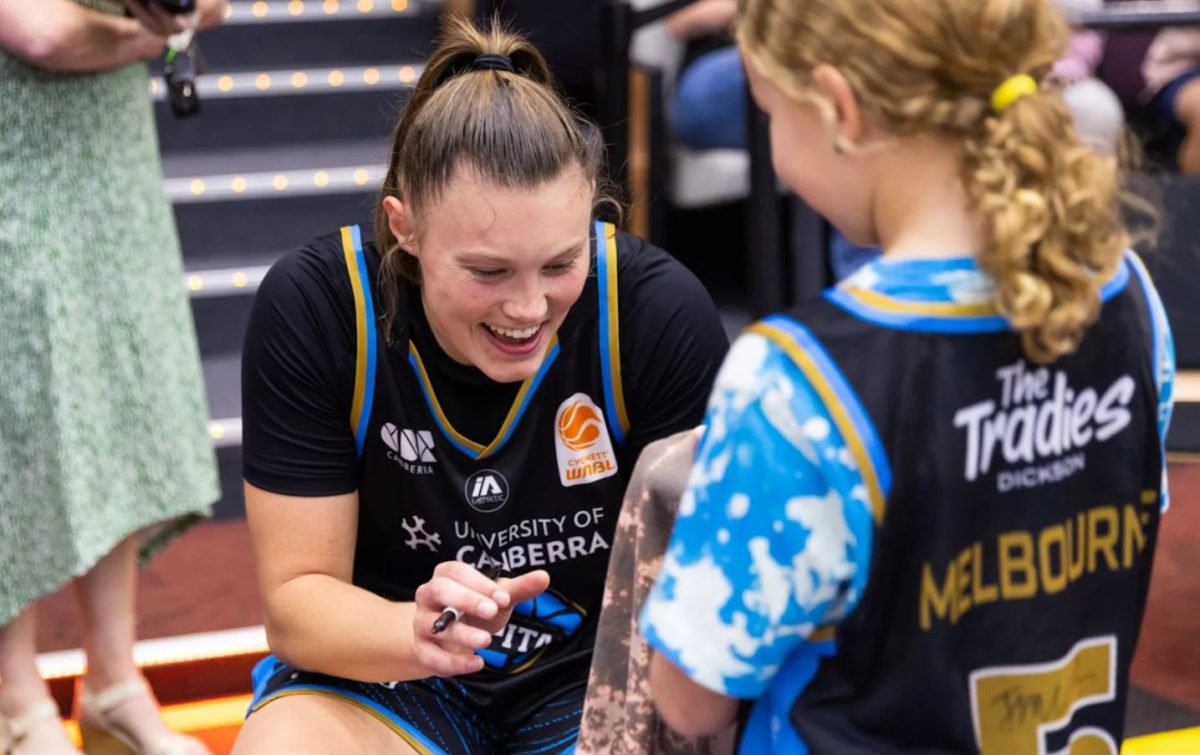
(579, 426)
(581, 442)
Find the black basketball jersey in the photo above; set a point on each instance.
(543, 493)
(1016, 509)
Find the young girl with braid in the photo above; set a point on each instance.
(923, 514)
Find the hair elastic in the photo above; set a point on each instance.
(1013, 89)
(492, 62)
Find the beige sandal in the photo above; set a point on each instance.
(19, 727)
(103, 737)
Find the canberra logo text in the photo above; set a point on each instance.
(411, 449)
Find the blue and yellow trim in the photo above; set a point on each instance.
(610, 329)
(939, 317)
(839, 398)
(515, 412)
(411, 735)
(268, 666)
(364, 325)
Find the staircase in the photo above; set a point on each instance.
(298, 100)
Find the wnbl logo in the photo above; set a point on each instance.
(581, 442)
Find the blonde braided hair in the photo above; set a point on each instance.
(1049, 207)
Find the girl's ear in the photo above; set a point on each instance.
(849, 127)
(401, 224)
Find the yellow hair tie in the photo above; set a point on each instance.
(1012, 90)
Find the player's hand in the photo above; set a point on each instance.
(485, 604)
(520, 589)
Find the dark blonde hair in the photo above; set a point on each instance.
(512, 128)
(1048, 205)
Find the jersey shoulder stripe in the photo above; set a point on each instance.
(843, 404)
(610, 328)
(366, 336)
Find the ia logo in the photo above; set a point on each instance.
(486, 490)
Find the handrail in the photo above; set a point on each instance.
(1139, 15)
(650, 15)
(618, 23)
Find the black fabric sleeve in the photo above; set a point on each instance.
(672, 344)
(298, 377)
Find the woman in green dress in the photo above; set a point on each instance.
(103, 447)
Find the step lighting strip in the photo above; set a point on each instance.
(225, 433)
(229, 186)
(165, 651)
(302, 11)
(202, 284)
(1187, 387)
(292, 82)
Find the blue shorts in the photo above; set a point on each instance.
(433, 715)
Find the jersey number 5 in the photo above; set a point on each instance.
(1015, 707)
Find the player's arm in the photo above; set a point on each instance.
(318, 620)
(315, 618)
(300, 466)
(672, 344)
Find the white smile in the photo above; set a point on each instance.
(516, 335)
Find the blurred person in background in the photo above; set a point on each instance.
(1095, 108)
(709, 111)
(104, 454)
(709, 105)
(1172, 73)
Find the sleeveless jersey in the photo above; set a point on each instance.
(1016, 508)
(544, 493)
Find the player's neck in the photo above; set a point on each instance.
(921, 208)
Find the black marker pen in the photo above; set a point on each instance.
(451, 614)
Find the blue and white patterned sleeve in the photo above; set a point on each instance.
(773, 535)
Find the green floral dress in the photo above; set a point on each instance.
(102, 411)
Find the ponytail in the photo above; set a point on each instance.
(1051, 221)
